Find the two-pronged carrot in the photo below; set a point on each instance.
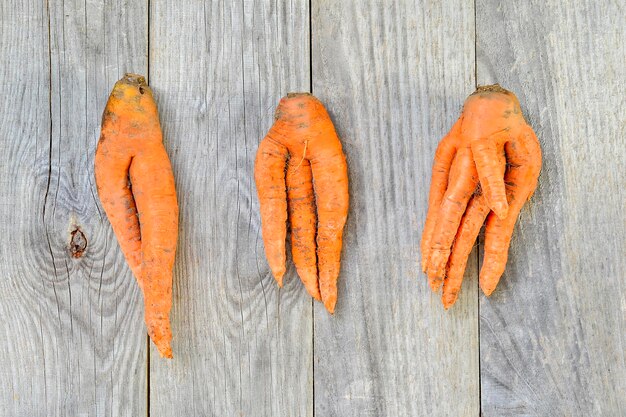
(136, 187)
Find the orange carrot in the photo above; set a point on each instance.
(144, 212)
(304, 134)
(490, 135)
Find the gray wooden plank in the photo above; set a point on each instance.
(393, 76)
(552, 336)
(241, 345)
(71, 328)
(24, 139)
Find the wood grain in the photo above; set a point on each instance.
(393, 76)
(552, 335)
(241, 345)
(71, 327)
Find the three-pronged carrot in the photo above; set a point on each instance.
(304, 137)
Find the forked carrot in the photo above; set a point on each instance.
(487, 166)
(136, 187)
(304, 139)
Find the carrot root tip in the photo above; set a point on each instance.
(435, 284)
(278, 276)
(330, 307)
(501, 209)
(449, 301)
(488, 291)
(315, 294)
(329, 303)
(165, 350)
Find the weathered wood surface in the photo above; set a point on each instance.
(241, 345)
(71, 328)
(552, 336)
(393, 76)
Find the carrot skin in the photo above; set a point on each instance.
(490, 163)
(269, 175)
(116, 197)
(303, 221)
(331, 191)
(469, 228)
(521, 181)
(444, 155)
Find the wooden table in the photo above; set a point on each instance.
(394, 74)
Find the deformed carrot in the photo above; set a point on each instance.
(303, 134)
(487, 166)
(136, 187)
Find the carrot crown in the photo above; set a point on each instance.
(298, 108)
(131, 95)
(494, 104)
(492, 88)
(302, 121)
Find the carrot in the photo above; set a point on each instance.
(144, 212)
(304, 135)
(487, 166)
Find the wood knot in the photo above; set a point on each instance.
(78, 243)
